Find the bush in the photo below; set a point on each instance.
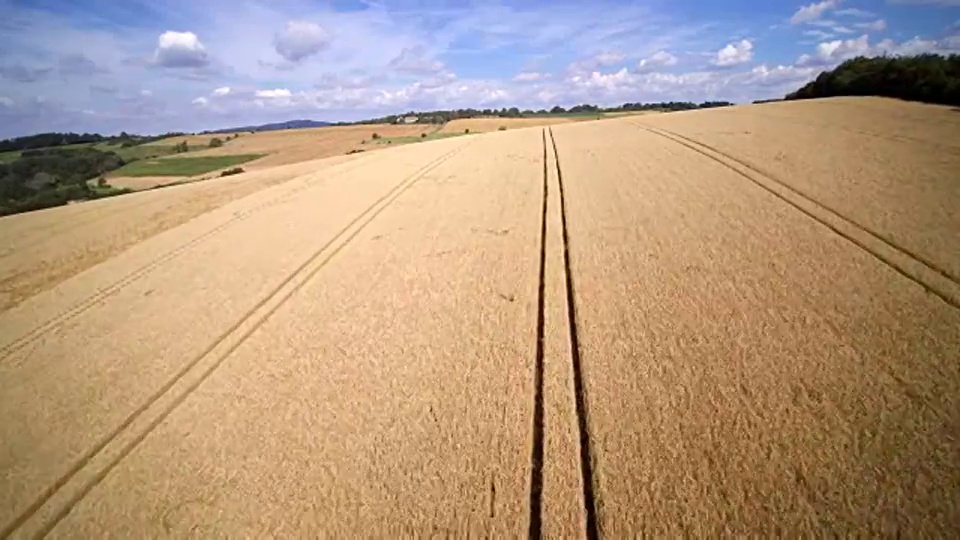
(216, 142)
(355, 151)
(375, 136)
(423, 135)
(231, 172)
(502, 128)
(466, 131)
(102, 181)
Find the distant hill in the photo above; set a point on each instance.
(290, 124)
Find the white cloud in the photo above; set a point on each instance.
(416, 60)
(273, 94)
(146, 93)
(530, 76)
(733, 54)
(917, 45)
(222, 91)
(854, 12)
(201, 101)
(657, 59)
(180, 50)
(6, 102)
(299, 40)
(942, 3)
(778, 75)
(813, 11)
(603, 59)
(878, 25)
(603, 81)
(832, 52)
(818, 34)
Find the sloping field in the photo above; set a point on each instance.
(604, 328)
(41, 249)
(296, 145)
(484, 125)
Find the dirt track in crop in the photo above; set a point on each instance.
(643, 325)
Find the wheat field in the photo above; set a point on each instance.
(740, 321)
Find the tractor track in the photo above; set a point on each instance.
(944, 284)
(230, 340)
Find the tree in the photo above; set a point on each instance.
(216, 142)
(931, 78)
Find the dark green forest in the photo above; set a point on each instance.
(51, 140)
(930, 78)
(53, 177)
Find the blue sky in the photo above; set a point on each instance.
(148, 66)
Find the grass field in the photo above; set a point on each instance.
(182, 166)
(727, 322)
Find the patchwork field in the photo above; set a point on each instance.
(739, 321)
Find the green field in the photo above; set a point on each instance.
(186, 166)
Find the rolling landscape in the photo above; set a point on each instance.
(679, 318)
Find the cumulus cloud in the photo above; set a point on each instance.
(832, 52)
(180, 50)
(656, 60)
(813, 11)
(530, 76)
(201, 101)
(416, 60)
(222, 91)
(273, 94)
(300, 40)
(779, 75)
(733, 54)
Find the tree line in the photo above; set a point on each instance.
(446, 115)
(931, 78)
(53, 140)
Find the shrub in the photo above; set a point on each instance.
(355, 151)
(375, 136)
(102, 181)
(502, 128)
(231, 172)
(466, 131)
(216, 142)
(423, 135)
